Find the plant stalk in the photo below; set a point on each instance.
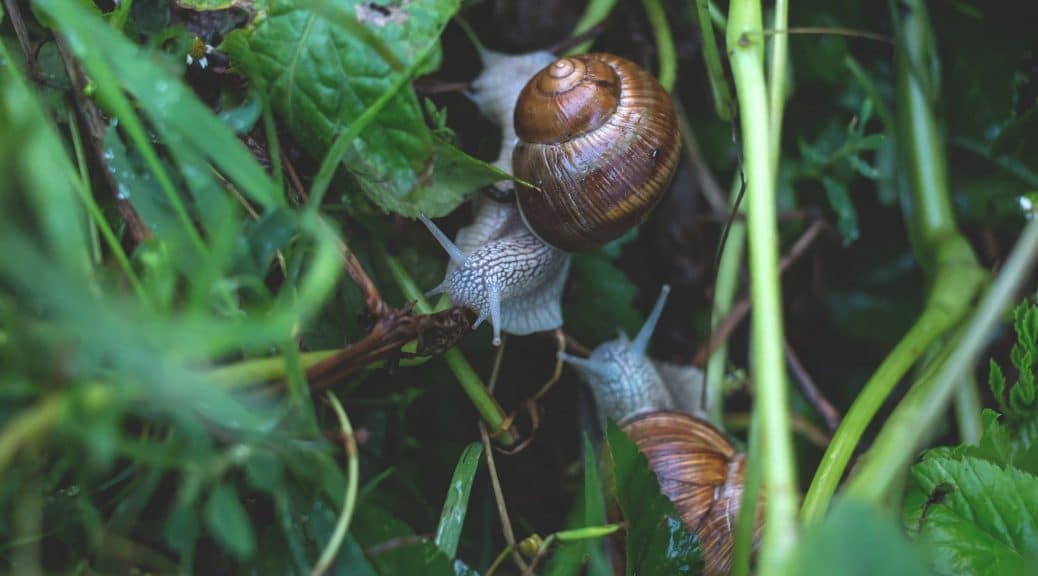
(779, 472)
(925, 403)
(488, 408)
(944, 253)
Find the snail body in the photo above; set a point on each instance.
(597, 137)
(698, 469)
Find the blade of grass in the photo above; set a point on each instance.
(452, 518)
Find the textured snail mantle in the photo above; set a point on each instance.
(697, 467)
(598, 138)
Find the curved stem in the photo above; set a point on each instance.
(668, 59)
(470, 382)
(594, 14)
(938, 244)
(350, 498)
(780, 526)
(897, 443)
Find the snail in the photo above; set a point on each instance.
(697, 467)
(597, 137)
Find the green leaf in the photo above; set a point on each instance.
(855, 539)
(978, 518)
(228, 522)
(589, 511)
(324, 69)
(452, 518)
(604, 300)
(840, 202)
(657, 542)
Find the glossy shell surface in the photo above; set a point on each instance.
(599, 140)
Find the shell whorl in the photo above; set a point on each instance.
(598, 139)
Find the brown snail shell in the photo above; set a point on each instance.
(701, 473)
(599, 140)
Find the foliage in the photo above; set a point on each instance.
(185, 184)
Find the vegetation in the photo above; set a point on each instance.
(215, 354)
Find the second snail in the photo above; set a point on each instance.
(596, 137)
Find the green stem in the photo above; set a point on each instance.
(746, 523)
(595, 12)
(939, 246)
(968, 410)
(28, 424)
(349, 499)
(768, 362)
(714, 68)
(664, 43)
(725, 287)
(896, 445)
(777, 80)
(470, 382)
(947, 305)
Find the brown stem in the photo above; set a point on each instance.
(742, 307)
(95, 128)
(22, 33)
(499, 498)
(810, 391)
(435, 333)
(372, 298)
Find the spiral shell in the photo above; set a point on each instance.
(599, 140)
(701, 473)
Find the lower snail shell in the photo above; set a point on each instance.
(698, 469)
(701, 473)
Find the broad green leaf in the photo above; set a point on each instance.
(228, 521)
(854, 539)
(657, 542)
(452, 518)
(604, 300)
(323, 71)
(977, 517)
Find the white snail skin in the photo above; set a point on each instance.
(497, 266)
(495, 92)
(622, 377)
(504, 272)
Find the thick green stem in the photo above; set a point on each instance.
(779, 472)
(470, 382)
(940, 247)
(925, 403)
(957, 281)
